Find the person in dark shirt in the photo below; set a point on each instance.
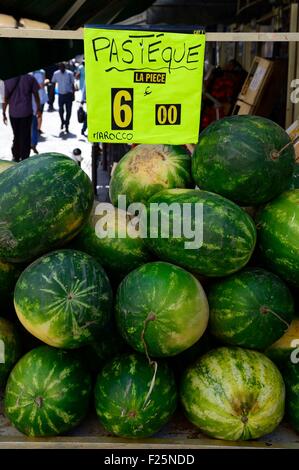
(18, 96)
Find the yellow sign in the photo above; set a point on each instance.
(143, 86)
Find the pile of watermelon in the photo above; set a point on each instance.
(131, 314)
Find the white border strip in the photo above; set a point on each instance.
(212, 37)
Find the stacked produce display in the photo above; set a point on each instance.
(137, 328)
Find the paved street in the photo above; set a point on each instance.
(53, 140)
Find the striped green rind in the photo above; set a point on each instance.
(295, 178)
(132, 402)
(64, 299)
(252, 308)
(238, 157)
(161, 308)
(107, 238)
(280, 352)
(10, 349)
(147, 169)
(44, 202)
(9, 274)
(278, 233)
(47, 392)
(4, 164)
(229, 233)
(291, 378)
(233, 394)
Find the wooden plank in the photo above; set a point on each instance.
(292, 64)
(70, 13)
(151, 443)
(212, 37)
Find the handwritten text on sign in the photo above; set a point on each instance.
(143, 87)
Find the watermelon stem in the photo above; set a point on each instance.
(268, 310)
(275, 154)
(151, 317)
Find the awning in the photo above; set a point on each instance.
(18, 56)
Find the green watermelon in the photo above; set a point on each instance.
(9, 274)
(291, 378)
(233, 393)
(252, 308)
(107, 238)
(295, 178)
(4, 164)
(132, 398)
(278, 229)
(161, 309)
(280, 352)
(228, 232)
(64, 299)
(44, 202)
(147, 169)
(106, 346)
(47, 392)
(10, 349)
(244, 158)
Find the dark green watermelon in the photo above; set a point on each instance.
(9, 274)
(252, 308)
(281, 351)
(161, 309)
(107, 238)
(239, 157)
(47, 392)
(295, 178)
(10, 348)
(64, 299)
(132, 399)
(107, 345)
(147, 169)
(228, 232)
(278, 229)
(44, 202)
(233, 394)
(291, 378)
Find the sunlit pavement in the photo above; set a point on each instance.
(53, 139)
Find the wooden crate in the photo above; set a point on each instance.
(178, 434)
(242, 108)
(256, 81)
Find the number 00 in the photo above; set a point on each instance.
(168, 114)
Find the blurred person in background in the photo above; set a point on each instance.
(66, 90)
(18, 96)
(80, 75)
(40, 76)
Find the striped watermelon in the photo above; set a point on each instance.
(47, 392)
(64, 299)
(244, 158)
(295, 178)
(9, 274)
(291, 377)
(228, 232)
(10, 349)
(107, 238)
(106, 346)
(278, 228)
(281, 351)
(147, 169)
(132, 398)
(44, 202)
(233, 393)
(4, 164)
(252, 308)
(161, 309)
